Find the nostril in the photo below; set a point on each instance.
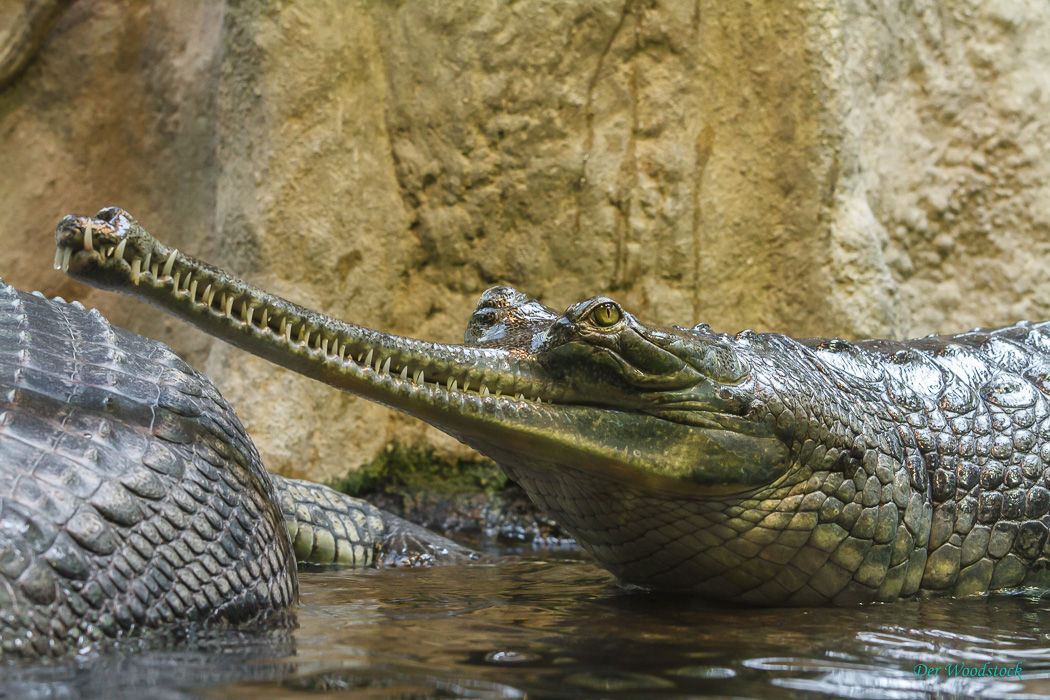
(109, 214)
(499, 298)
(485, 317)
(69, 230)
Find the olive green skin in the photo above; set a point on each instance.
(912, 467)
(915, 467)
(751, 468)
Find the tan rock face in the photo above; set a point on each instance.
(812, 168)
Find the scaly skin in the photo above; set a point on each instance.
(753, 468)
(130, 497)
(132, 501)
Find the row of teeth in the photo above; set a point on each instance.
(329, 347)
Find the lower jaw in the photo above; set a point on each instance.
(647, 539)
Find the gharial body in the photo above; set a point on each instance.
(754, 468)
(131, 499)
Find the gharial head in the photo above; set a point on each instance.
(668, 404)
(655, 404)
(591, 392)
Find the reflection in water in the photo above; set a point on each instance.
(158, 668)
(559, 627)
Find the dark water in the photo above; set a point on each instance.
(556, 626)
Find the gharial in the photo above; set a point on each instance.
(748, 467)
(132, 501)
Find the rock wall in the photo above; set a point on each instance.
(818, 168)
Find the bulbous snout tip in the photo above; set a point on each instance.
(491, 312)
(79, 232)
(507, 318)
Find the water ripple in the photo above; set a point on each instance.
(561, 628)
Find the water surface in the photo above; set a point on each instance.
(550, 625)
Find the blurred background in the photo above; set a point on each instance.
(812, 167)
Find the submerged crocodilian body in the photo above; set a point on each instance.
(753, 468)
(133, 502)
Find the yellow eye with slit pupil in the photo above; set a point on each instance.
(606, 315)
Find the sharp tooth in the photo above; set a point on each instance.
(145, 262)
(404, 372)
(206, 297)
(518, 397)
(177, 275)
(466, 385)
(66, 255)
(452, 385)
(287, 332)
(306, 339)
(284, 326)
(58, 258)
(418, 378)
(386, 367)
(155, 269)
(317, 341)
(248, 314)
(342, 352)
(265, 320)
(169, 262)
(193, 291)
(136, 270)
(498, 392)
(368, 358)
(87, 237)
(484, 390)
(186, 281)
(120, 249)
(229, 306)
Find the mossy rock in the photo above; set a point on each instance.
(401, 469)
(468, 497)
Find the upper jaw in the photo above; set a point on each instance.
(110, 248)
(113, 251)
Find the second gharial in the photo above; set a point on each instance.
(750, 467)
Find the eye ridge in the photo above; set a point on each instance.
(606, 315)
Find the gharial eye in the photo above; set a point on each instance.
(606, 315)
